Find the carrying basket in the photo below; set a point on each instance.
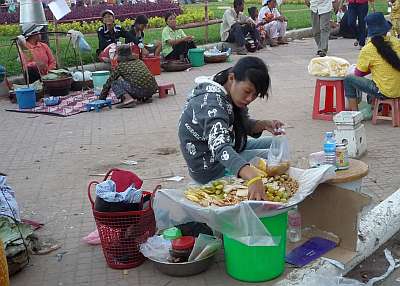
(121, 233)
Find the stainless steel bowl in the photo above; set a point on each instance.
(185, 268)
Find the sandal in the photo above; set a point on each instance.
(127, 105)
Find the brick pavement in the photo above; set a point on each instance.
(50, 160)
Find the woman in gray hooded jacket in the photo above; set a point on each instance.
(215, 125)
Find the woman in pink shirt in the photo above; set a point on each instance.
(37, 57)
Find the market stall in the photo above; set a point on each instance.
(255, 232)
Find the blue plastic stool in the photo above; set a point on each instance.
(98, 104)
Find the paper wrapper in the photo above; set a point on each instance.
(240, 222)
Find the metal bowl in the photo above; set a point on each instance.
(184, 268)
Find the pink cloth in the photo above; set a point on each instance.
(39, 54)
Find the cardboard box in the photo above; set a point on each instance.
(335, 210)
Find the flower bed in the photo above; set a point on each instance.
(92, 13)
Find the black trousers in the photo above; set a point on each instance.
(180, 49)
(238, 33)
(33, 73)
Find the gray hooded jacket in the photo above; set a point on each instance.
(206, 133)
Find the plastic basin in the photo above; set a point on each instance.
(258, 263)
(99, 79)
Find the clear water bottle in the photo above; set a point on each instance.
(330, 149)
(294, 225)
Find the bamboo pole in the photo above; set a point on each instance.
(57, 41)
(206, 20)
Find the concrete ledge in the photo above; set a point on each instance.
(292, 34)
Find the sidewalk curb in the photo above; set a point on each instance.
(377, 226)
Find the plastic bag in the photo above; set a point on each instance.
(239, 221)
(107, 191)
(157, 248)
(92, 238)
(328, 67)
(8, 203)
(278, 151)
(204, 247)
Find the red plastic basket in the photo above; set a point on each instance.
(121, 233)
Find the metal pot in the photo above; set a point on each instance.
(31, 12)
(184, 268)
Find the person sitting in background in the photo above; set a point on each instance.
(175, 43)
(274, 23)
(235, 26)
(37, 58)
(395, 18)
(136, 36)
(253, 13)
(380, 57)
(131, 81)
(109, 33)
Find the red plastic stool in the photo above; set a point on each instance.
(165, 88)
(327, 112)
(394, 104)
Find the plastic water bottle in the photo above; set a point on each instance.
(330, 149)
(294, 225)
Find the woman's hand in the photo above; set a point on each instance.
(256, 188)
(257, 191)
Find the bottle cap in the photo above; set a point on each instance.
(185, 242)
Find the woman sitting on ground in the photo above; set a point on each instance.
(131, 81)
(136, 36)
(381, 58)
(253, 13)
(274, 23)
(214, 126)
(175, 43)
(37, 58)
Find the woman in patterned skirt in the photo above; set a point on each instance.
(131, 80)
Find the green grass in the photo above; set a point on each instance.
(298, 17)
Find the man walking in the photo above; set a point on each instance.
(320, 17)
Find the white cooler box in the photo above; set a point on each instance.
(356, 140)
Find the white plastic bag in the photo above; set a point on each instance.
(204, 246)
(8, 203)
(157, 248)
(278, 151)
(239, 221)
(328, 67)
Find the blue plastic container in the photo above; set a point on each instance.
(26, 97)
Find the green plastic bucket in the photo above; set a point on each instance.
(258, 263)
(196, 57)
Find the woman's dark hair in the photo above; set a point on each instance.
(254, 70)
(169, 14)
(141, 20)
(237, 3)
(252, 12)
(385, 50)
